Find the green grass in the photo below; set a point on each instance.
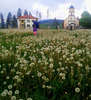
(49, 66)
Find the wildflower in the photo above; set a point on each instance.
(29, 99)
(60, 63)
(51, 65)
(6, 91)
(39, 74)
(16, 91)
(43, 86)
(47, 80)
(28, 72)
(3, 94)
(77, 90)
(58, 69)
(43, 77)
(4, 69)
(67, 59)
(63, 77)
(61, 74)
(79, 84)
(49, 87)
(65, 92)
(10, 93)
(15, 84)
(7, 77)
(25, 68)
(10, 87)
(51, 60)
(4, 82)
(64, 56)
(62, 68)
(2, 72)
(13, 98)
(89, 95)
(0, 66)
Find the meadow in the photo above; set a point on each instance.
(55, 65)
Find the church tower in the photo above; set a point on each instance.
(71, 17)
(71, 11)
(71, 22)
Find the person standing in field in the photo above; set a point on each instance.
(36, 25)
(34, 30)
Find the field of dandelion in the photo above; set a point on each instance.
(55, 65)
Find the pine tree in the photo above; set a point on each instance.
(37, 14)
(30, 13)
(25, 12)
(14, 21)
(9, 20)
(40, 16)
(2, 21)
(19, 12)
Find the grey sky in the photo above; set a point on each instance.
(34, 5)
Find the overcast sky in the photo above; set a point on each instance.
(57, 8)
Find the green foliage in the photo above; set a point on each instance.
(50, 66)
(85, 19)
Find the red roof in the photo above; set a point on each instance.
(27, 17)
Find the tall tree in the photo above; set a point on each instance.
(85, 14)
(37, 14)
(19, 12)
(2, 21)
(40, 16)
(9, 20)
(56, 23)
(2, 24)
(85, 19)
(25, 12)
(14, 21)
(47, 13)
(30, 13)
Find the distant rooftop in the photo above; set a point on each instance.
(27, 17)
(71, 7)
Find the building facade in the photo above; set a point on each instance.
(26, 21)
(71, 22)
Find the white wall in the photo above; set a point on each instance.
(26, 23)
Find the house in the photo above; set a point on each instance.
(26, 21)
(71, 22)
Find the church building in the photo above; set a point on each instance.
(71, 22)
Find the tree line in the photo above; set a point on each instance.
(11, 21)
(85, 20)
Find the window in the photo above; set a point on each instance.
(28, 20)
(21, 20)
(28, 25)
(33, 20)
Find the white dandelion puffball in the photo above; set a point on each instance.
(77, 89)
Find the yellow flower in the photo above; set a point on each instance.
(65, 92)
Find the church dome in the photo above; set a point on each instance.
(71, 7)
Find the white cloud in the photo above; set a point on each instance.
(79, 12)
(88, 5)
(41, 8)
(61, 12)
